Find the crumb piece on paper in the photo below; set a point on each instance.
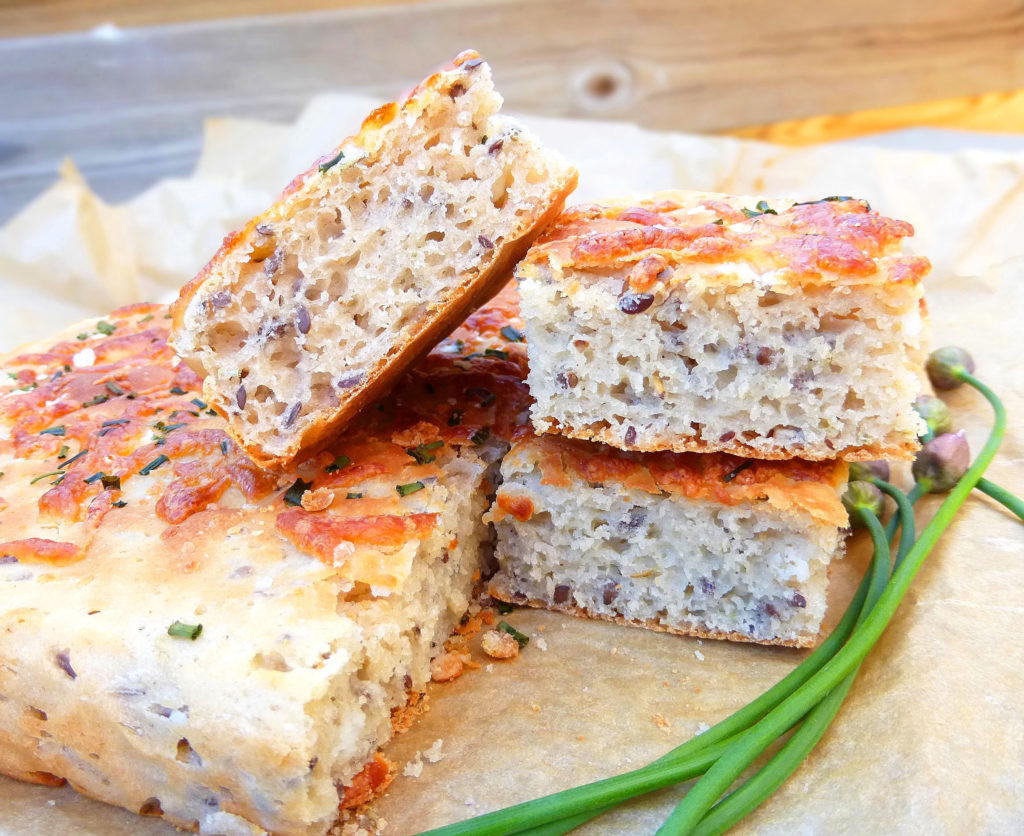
(543, 645)
(662, 723)
(446, 667)
(490, 668)
(699, 655)
(702, 727)
(499, 645)
(434, 753)
(580, 737)
(414, 768)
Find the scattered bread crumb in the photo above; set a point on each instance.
(543, 645)
(446, 667)
(535, 707)
(699, 655)
(499, 645)
(662, 723)
(317, 500)
(414, 768)
(434, 753)
(702, 727)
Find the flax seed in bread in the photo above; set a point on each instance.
(703, 322)
(129, 520)
(707, 545)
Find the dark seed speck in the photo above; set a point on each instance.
(302, 319)
(634, 303)
(292, 414)
(630, 438)
(240, 397)
(485, 242)
(561, 593)
(64, 663)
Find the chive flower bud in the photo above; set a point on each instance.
(944, 364)
(942, 462)
(862, 495)
(935, 414)
(866, 471)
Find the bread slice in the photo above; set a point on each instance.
(129, 519)
(370, 258)
(701, 322)
(700, 545)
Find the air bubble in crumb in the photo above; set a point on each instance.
(699, 655)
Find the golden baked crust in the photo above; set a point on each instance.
(789, 485)
(125, 507)
(436, 320)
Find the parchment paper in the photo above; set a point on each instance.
(931, 738)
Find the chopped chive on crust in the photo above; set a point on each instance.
(54, 431)
(511, 334)
(422, 453)
(339, 463)
(153, 465)
(181, 630)
(293, 496)
(521, 638)
(411, 487)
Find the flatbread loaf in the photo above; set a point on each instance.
(186, 635)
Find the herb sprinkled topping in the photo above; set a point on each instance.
(422, 453)
(486, 396)
(58, 430)
(719, 222)
(455, 418)
(73, 459)
(99, 474)
(97, 400)
(762, 208)
(331, 163)
(511, 334)
(293, 496)
(153, 465)
(224, 448)
(51, 473)
(353, 496)
(504, 607)
(496, 352)
(105, 328)
(339, 463)
(62, 453)
(177, 390)
(119, 504)
(111, 483)
(834, 198)
(521, 638)
(411, 487)
(480, 436)
(114, 389)
(181, 630)
(200, 403)
(734, 473)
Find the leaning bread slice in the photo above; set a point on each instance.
(704, 322)
(186, 635)
(702, 545)
(368, 260)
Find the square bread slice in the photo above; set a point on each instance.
(186, 635)
(706, 545)
(702, 322)
(368, 260)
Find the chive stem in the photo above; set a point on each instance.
(1012, 502)
(727, 769)
(906, 517)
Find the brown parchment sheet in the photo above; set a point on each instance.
(931, 738)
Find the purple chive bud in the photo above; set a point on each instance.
(944, 364)
(634, 303)
(866, 471)
(862, 495)
(942, 462)
(935, 414)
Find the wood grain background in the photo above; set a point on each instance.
(128, 103)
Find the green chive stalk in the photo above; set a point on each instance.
(1011, 501)
(769, 778)
(728, 768)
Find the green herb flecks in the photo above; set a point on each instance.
(119, 504)
(480, 436)
(293, 496)
(511, 334)
(339, 463)
(96, 401)
(353, 495)
(181, 630)
(835, 198)
(224, 448)
(153, 465)
(111, 483)
(455, 418)
(177, 390)
(504, 607)
(732, 474)
(411, 487)
(719, 222)
(113, 388)
(62, 453)
(43, 476)
(762, 208)
(105, 328)
(58, 430)
(423, 453)
(521, 638)
(99, 474)
(73, 459)
(331, 162)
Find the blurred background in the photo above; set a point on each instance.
(123, 86)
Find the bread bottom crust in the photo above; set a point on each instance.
(497, 590)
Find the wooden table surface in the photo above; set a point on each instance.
(123, 86)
